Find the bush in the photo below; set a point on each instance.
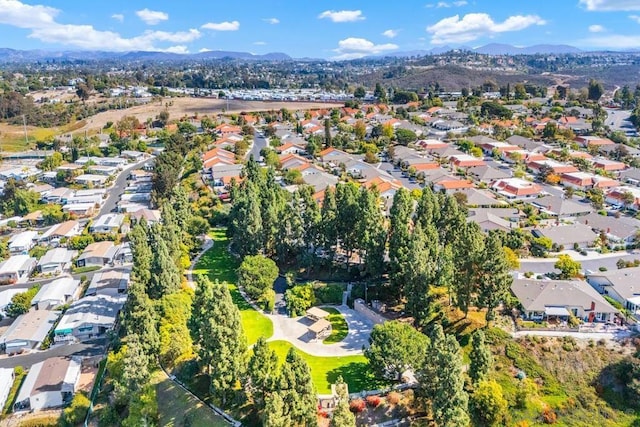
(299, 299)
(549, 416)
(76, 412)
(357, 405)
(329, 294)
(373, 401)
(394, 398)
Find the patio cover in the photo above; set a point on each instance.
(556, 311)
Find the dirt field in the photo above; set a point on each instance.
(190, 106)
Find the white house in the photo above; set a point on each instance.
(89, 317)
(622, 285)
(56, 293)
(5, 298)
(97, 254)
(22, 243)
(108, 223)
(56, 260)
(28, 331)
(63, 230)
(17, 269)
(49, 384)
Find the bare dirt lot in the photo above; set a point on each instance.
(179, 107)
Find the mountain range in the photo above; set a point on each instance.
(13, 55)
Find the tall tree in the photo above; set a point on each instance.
(371, 231)
(421, 272)
(468, 256)
(165, 276)
(247, 222)
(135, 369)
(141, 252)
(347, 217)
(342, 416)
(218, 334)
(399, 240)
(490, 408)
(328, 223)
(328, 141)
(494, 280)
(274, 412)
(296, 388)
(480, 356)
(139, 317)
(311, 223)
(262, 372)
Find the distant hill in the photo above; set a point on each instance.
(14, 55)
(507, 49)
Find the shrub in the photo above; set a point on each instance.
(299, 299)
(373, 401)
(357, 405)
(329, 294)
(549, 416)
(394, 398)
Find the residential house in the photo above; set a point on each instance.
(584, 181)
(526, 143)
(6, 382)
(466, 161)
(450, 185)
(102, 170)
(22, 243)
(568, 236)
(560, 207)
(590, 140)
(89, 317)
(56, 293)
(56, 261)
(559, 299)
(608, 165)
(107, 223)
(617, 196)
(517, 189)
(151, 216)
(110, 281)
(58, 195)
(556, 167)
(489, 221)
(28, 331)
(51, 383)
(333, 156)
(80, 209)
(620, 231)
(631, 176)
(480, 198)
(139, 175)
(487, 173)
(97, 254)
(5, 298)
(290, 148)
(17, 269)
(91, 179)
(622, 285)
(63, 230)
(499, 147)
(222, 175)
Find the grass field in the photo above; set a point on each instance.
(12, 136)
(325, 370)
(219, 265)
(178, 408)
(339, 327)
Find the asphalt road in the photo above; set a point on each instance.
(619, 120)
(90, 348)
(259, 142)
(118, 188)
(542, 266)
(388, 167)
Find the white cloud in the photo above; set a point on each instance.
(118, 17)
(476, 25)
(460, 3)
(635, 18)
(204, 49)
(43, 25)
(222, 26)
(613, 41)
(390, 33)
(610, 5)
(260, 43)
(353, 48)
(597, 28)
(444, 4)
(342, 15)
(152, 17)
(177, 49)
(272, 21)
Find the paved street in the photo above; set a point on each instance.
(590, 263)
(406, 182)
(118, 188)
(91, 348)
(259, 142)
(619, 120)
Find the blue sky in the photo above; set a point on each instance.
(323, 29)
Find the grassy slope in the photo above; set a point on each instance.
(325, 370)
(219, 265)
(339, 327)
(177, 408)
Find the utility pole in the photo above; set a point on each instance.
(24, 124)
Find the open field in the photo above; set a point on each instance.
(179, 107)
(178, 408)
(219, 265)
(12, 136)
(339, 327)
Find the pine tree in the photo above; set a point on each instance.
(328, 226)
(450, 402)
(428, 209)
(328, 141)
(481, 358)
(165, 276)
(246, 219)
(217, 332)
(274, 412)
(494, 280)
(296, 388)
(141, 252)
(371, 231)
(468, 259)
(311, 225)
(139, 317)
(421, 271)
(347, 217)
(135, 369)
(262, 371)
(399, 240)
(272, 204)
(342, 416)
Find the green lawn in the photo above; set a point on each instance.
(178, 408)
(339, 327)
(325, 370)
(219, 265)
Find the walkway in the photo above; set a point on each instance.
(208, 244)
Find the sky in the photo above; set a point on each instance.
(329, 29)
